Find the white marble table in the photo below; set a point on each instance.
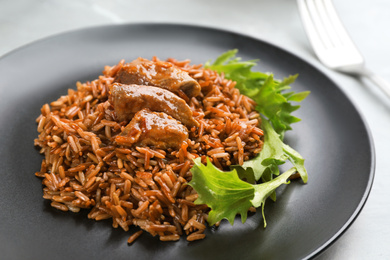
(277, 21)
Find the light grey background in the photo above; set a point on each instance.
(277, 21)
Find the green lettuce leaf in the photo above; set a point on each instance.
(267, 189)
(274, 153)
(227, 195)
(234, 192)
(269, 94)
(223, 192)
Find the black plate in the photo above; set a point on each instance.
(304, 221)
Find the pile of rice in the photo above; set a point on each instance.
(142, 186)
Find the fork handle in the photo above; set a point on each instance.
(379, 81)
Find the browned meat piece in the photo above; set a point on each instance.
(153, 129)
(129, 99)
(159, 74)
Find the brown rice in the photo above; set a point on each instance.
(142, 186)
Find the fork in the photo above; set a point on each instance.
(331, 42)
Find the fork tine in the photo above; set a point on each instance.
(327, 21)
(326, 32)
(337, 25)
(324, 23)
(310, 28)
(317, 16)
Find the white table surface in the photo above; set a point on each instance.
(278, 22)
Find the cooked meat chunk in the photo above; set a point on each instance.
(149, 128)
(129, 99)
(159, 74)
